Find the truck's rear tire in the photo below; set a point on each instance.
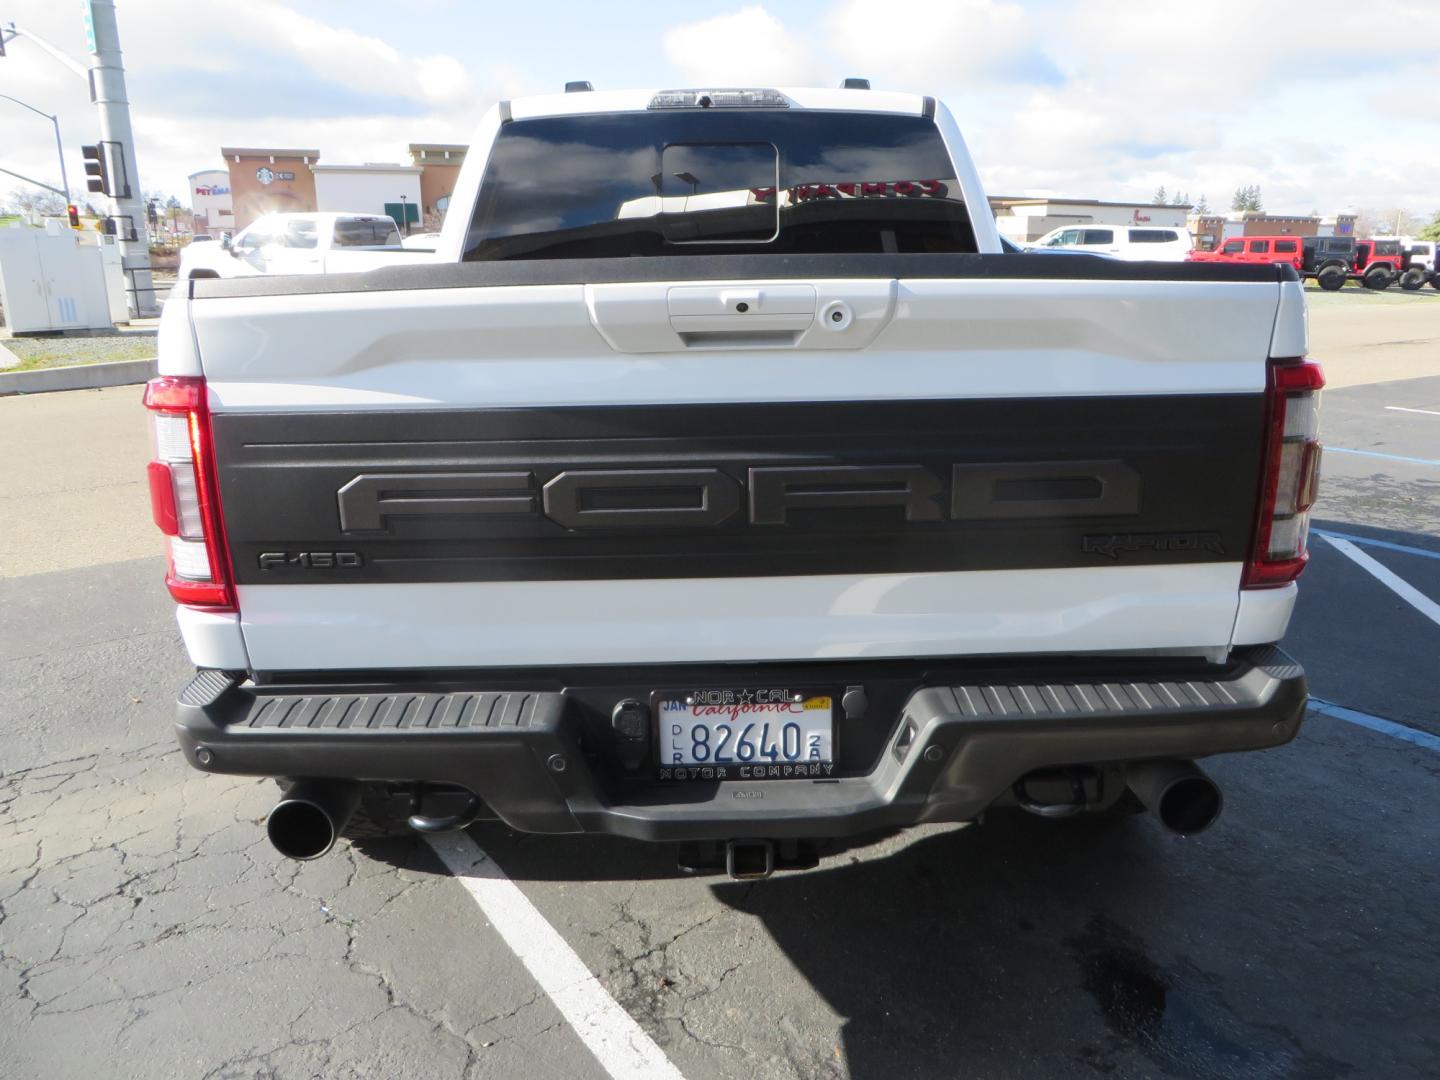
(1330, 278)
(1377, 278)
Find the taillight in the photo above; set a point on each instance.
(184, 495)
(1292, 473)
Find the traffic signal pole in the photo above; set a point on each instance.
(107, 90)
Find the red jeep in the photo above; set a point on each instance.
(1254, 249)
(1378, 263)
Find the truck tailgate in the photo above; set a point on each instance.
(554, 472)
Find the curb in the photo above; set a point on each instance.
(76, 377)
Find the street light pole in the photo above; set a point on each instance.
(11, 32)
(107, 79)
(59, 146)
(106, 76)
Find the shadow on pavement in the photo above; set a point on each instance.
(1014, 948)
(1004, 950)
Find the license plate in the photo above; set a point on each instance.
(754, 733)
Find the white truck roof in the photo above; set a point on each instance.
(604, 101)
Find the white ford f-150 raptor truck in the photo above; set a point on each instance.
(726, 483)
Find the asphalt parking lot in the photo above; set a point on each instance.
(148, 930)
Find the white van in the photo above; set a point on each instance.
(1134, 242)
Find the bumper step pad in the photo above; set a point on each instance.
(954, 749)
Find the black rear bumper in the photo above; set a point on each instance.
(950, 751)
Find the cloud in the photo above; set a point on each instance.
(1105, 98)
(749, 47)
(1146, 100)
(957, 43)
(292, 79)
(355, 60)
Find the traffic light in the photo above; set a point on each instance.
(73, 213)
(96, 178)
(105, 169)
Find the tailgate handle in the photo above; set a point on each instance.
(739, 339)
(753, 316)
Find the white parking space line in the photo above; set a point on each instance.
(1398, 585)
(1370, 541)
(1402, 408)
(1383, 457)
(1377, 723)
(607, 1030)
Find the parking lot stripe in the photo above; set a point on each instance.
(1402, 408)
(1378, 454)
(1405, 549)
(607, 1030)
(1377, 723)
(1398, 585)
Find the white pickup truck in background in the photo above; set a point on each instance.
(309, 243)
(721, 480)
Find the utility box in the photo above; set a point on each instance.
(114, 280)
(51, 282)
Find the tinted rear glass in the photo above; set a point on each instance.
(1152, 236)
(1098, 236)
(688, 182)
(363, 233)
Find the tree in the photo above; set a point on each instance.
(38, 201)
(1432, 231)
(1158, 198)
(1180, 198)
(1247, 198)
(1202, 207)
(1388, 222)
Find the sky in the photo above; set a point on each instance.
(1326, 105)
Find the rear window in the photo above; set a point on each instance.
(1259, 247)
(1098, 236)
(1153, 236)
(366, 232)
(1284, 247)
(698, 181)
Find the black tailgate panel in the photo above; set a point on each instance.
(746, 489)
